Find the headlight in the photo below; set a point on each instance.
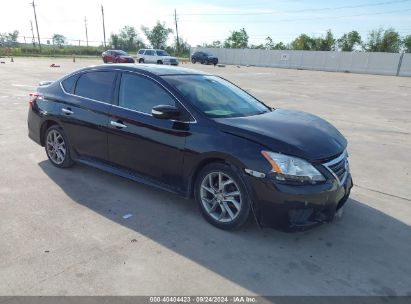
(289, 168)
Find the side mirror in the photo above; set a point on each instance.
(165, 112)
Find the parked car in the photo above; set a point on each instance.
(204, 58)
(116, 56)
(155, 56)
(197, 135)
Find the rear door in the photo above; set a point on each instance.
(84, 112)
(149, 56)
(149, 146)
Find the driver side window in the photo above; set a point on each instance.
(141, 94)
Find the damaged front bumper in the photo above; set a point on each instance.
(296, 208)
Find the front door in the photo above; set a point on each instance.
(149, 146)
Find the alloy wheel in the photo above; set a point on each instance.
(56, 147)
(221, 197)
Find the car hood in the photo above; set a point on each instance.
(290, 132)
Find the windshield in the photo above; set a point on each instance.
(162, 53)
(122, 53)
(215, 96)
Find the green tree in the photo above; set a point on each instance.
(214, 44)
(237, 40)
(326, 43)
(280, 46)
(217, 44)
(349, 41)
(381, 40)
(129, 39)
(58, 40)
(303, 42)
(269, 43)
(9, 39)
(183, 46)
(114, 41)
(258, 46)
(158, 35)
(407, 44)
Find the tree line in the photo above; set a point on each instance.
(128, 39)
(378, 40)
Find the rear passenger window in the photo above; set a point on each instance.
(96, 85)
(68, 83)
(141, 94)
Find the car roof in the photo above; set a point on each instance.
(159, 70)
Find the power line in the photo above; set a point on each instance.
(311, 18)
(297, 11)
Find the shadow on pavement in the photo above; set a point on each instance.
(365, 253)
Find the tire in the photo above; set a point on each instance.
(159, 62)
(55, 138)
(228, 212)
(202, 61)
(141, 60)
(193, 61)
(116, 60)
(105, 60)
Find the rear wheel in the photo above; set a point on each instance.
(222, 196)
(57, 148)
(159, 62)
(141, 60)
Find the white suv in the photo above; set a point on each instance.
(155, 56)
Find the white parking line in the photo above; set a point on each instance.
(23, 85)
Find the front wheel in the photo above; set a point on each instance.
(57, 148)
(141, 60)
(159, 62)
(222, 196)
(193, 61)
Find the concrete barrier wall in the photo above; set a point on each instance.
(353, 62)
(406, 66)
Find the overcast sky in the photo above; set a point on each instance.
(205, 21)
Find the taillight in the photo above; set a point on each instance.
(33, 97)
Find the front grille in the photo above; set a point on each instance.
(339, 167)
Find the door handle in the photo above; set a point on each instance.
(118, 124)
(67, 111)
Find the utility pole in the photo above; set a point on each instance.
(104, 27)
(37, 25)
(178, 40)
(33, 40)
(85, 23)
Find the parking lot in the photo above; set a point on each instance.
(62, 232)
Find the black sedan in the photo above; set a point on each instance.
(199, 136)
(204, 58)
